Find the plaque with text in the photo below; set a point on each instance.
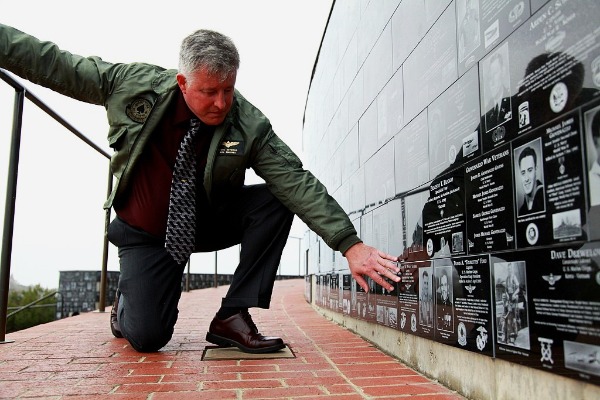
(334, 292)
(549, 184)
(548, 309)
(445, 277)
(591, 123)
(444, 222)
(308, 288)
(408, 301)
(318, 290)
(358, 301)
(550, 65)
(386, 305)
(473, 304)
(346, 289)
(371, 310)
(489, 201)
(482, 24)
(415, 299)
(453, 120)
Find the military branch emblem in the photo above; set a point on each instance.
(229, 144)
(231, 148)
(138, 110)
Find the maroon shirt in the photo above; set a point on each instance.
(145, 205)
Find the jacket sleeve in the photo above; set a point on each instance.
(87, 79)
(303, 193)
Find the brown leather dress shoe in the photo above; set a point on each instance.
(239, 331)
(114, 323)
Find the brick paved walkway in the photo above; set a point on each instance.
(78, 358)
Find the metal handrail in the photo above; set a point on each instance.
(25, 307)
(11, 193)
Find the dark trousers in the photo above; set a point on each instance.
(150, 280)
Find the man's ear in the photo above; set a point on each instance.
(181, 82)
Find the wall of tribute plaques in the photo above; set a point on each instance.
(476, 151)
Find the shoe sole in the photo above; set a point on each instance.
(224, 342)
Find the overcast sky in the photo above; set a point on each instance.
(62, 183)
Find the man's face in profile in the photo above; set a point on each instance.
(528, 174)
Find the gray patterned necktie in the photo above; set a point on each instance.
(181, 222)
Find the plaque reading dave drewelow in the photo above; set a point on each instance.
(549, 184)
(473, 304)
(488, 197)
(548, 309)
(482, 24)
(548, 67)
(444, 227)
(453, 120)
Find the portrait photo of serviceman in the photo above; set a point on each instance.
(592, 124)
(529, 179)
(425, 298)
(498, 104)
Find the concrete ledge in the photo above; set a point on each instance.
(472, 375)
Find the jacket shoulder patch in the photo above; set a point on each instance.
(139, 109)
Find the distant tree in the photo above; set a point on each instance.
(31, 316)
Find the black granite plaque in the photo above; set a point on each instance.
(359, 301)
(591, 123)
(444, 223)
(473, 304)
(549, 184)
(334, 292)
(346, 293)
(489, 201)
(553, 64)
(445, 277)
(415, 309)
(548, 313)
(386, 305)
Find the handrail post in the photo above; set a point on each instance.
(9, 210)
(103, 272)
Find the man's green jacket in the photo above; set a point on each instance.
(136, 97)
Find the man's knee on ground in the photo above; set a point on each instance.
(148, 337)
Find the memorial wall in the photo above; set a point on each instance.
(464, 137)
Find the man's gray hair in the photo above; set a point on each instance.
(210, 50)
